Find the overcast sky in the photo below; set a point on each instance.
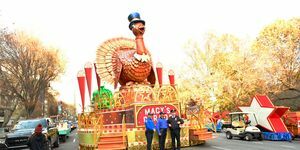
(78, 27)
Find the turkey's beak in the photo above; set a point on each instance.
(142, 29)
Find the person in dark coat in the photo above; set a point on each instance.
(38, 140)
(161, 128)
(150, 127)
(174, 121)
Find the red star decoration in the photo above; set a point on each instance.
(267, 115)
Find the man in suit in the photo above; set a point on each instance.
(150, 127)
(174, 121)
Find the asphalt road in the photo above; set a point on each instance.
(71, 142)
(219, 143)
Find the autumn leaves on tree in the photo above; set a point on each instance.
(233, 70)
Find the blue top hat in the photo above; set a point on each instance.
(161, 113)
(134, 18)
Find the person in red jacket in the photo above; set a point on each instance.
(246, 119)
(38, 141)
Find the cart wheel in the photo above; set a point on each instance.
(49, 145)
(248, 137)
(63, 138)
(56, 144)
(228, 135)
(261, 137)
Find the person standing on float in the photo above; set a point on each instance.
(150, 127)
(174, 121)
(161, 128)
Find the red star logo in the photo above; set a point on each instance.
(267, 115)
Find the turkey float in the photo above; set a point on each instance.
(126, 61)
(120, 123)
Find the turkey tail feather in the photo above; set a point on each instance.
(108, 63)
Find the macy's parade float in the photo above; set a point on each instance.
(116, 119)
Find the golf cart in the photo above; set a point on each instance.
(64, 130)
(241, 127)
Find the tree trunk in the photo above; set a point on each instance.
(29, 108)
(29, 112)
(7, 115)
(17, 118)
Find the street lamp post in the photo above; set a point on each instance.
(44, 100)
(42, 97)
(213, 97)
(46, 108)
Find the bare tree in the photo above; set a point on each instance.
(8, 100)
(52, 104)
(8, 103)
(27, 68)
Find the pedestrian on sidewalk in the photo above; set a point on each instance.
(150, 127)
(161, 128)
(38, 140)
(174, 121)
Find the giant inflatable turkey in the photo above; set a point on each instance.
(126, 61)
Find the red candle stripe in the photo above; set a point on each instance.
(81, 84)
(159, 71)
